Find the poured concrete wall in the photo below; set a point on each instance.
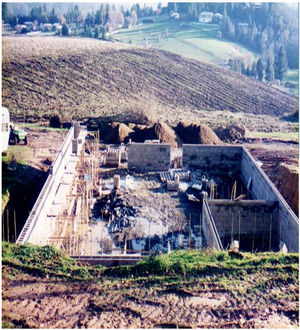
(245, 217)
(38, 226)
(209, 228)
(149, 157)
(212, 159)
(262, 188)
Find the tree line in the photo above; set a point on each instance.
(263, 27)
(276, 69)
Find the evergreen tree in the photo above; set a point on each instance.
(254, 70)
(270, 70)
(243, 68)
(65, 30)
(260, 70)
(4, 11)
(97, 32)
(248, 72)
(280, 65)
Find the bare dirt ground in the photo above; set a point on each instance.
(280, 161)
(32, 302)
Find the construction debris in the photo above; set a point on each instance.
(117, 210)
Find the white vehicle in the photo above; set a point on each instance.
(5, 128)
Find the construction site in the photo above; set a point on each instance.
(126, 201)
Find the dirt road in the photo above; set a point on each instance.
(32, 302)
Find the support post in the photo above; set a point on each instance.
(15, 225)
(7, 223)
(162, 238)
(239, 228)
(254, 225)
(270, 237)
(190, 221)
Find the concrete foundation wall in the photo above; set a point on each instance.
(37, 229)
(209, 228)
(149, 157)
(262, 188)
(212, 159)
(255, 217)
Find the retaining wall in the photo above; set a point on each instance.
(35, 231)
(212, 159)
(262, 188)
(149, 157)
(245, 217)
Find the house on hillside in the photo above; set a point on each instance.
(175, 16)
(57, 26)
(217, 18)
(206, 17)
(19, 27)
(47, 27)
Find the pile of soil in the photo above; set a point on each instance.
(288, 179)
(119, 133)
(233, 132)
(159, 131)
(196, 133)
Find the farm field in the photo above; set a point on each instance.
(84, 78)
(196, 40)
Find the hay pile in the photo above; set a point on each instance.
(119, 133)
(196, 133)
(234, 132)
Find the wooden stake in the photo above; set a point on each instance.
(190, 221)
(15, 224)
(92, 241)
(279, 228)
(239, 228)
(172, 238)
(140, 235)
(270, 237)
(199, 230)
(7, 223)
(162, 238)
(3, 234)
(254, 225)
(231, 227)
(149, 237)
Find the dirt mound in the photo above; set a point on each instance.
(234, 132)
(196, 133)
(288, 179)
(119, 133)
(159, 131)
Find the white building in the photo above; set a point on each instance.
(206, 17)
(5, 128)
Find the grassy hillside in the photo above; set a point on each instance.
(87, 78)
(41, 287)
(195, 40)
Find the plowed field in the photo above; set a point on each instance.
(88, 78)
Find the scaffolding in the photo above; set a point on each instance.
(71, 230)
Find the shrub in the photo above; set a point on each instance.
(55, 122)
